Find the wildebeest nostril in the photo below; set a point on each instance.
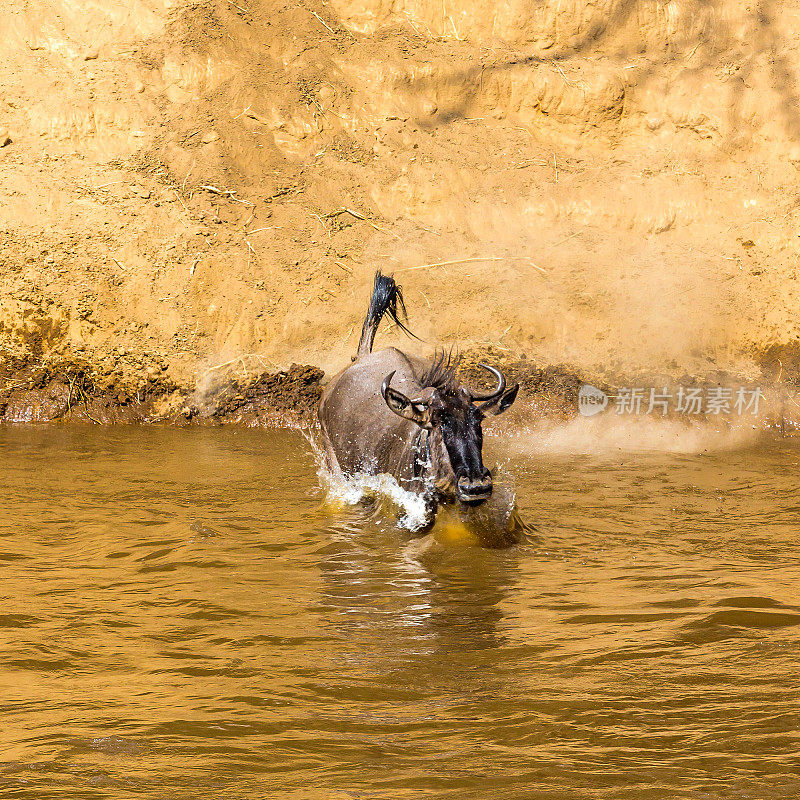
(475, 486)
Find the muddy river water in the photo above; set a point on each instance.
(183, 617)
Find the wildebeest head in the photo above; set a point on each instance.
(452, 415)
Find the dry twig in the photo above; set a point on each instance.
(355, 214)
(472, 260)
(322, 21)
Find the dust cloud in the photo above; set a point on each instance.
(609, 435)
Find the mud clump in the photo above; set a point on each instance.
(288, 397)
(90, 387)
(129, 389)
(781, 363)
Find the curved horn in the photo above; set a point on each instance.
(501, 386)
(385, 387)
(415, 410)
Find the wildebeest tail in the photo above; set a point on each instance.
(387, 298)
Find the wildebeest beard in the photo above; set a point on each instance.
(448, 450)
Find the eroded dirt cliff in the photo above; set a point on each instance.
(203, 188)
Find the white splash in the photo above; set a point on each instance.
(351, 489)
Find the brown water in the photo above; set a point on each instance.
(182, 618)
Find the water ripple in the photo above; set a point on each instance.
(183, 617)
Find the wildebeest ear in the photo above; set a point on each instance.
(505, 401)
(404, 407)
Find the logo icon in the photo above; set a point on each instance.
(591, 400)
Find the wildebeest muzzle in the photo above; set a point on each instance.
(474, 490)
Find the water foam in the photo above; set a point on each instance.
(341, 489)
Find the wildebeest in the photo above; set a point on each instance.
(390, 412)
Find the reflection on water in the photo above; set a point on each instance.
(182, 616)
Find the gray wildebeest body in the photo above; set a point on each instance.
(389, 412)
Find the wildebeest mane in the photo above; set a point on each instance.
(441, 372)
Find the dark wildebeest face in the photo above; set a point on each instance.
(453, 420)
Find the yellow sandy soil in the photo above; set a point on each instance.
(610, 184)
